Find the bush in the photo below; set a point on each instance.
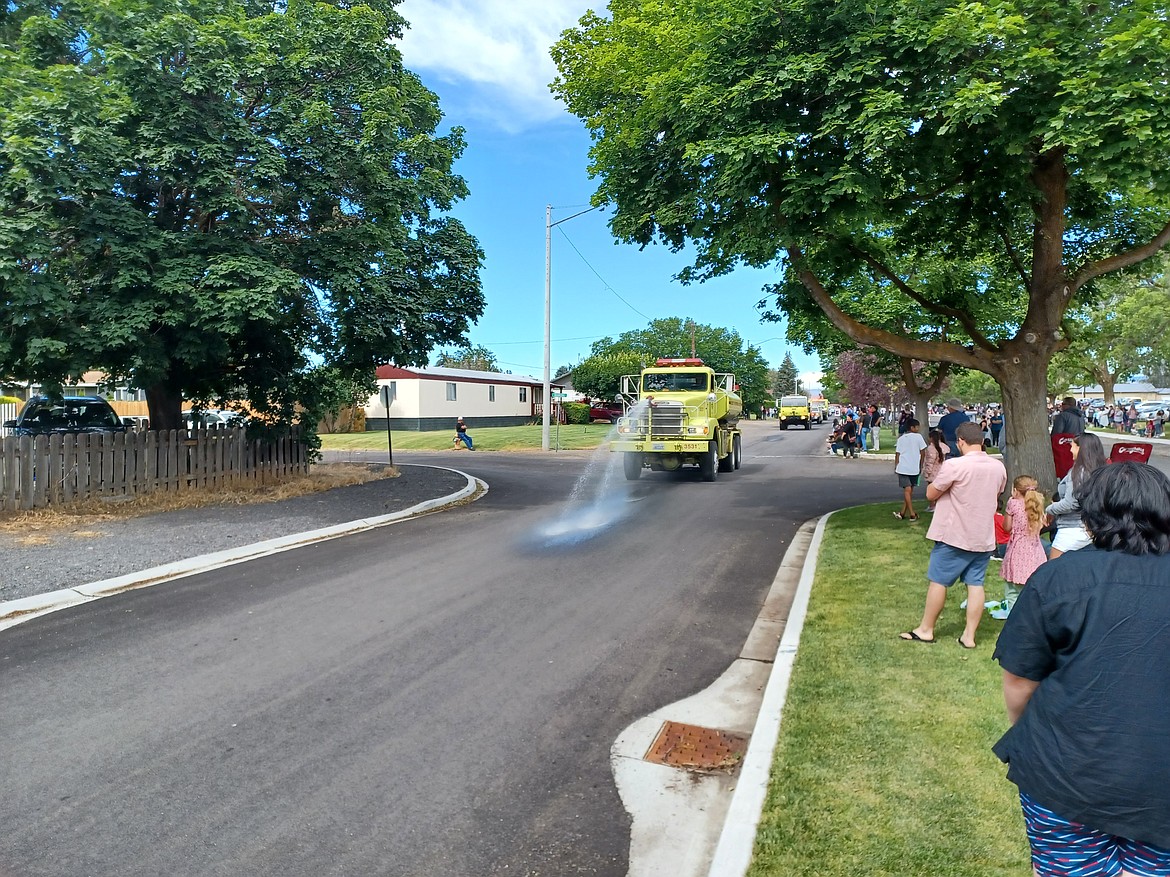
(576, 412)
(10, 400)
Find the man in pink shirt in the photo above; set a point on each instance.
(966, 494)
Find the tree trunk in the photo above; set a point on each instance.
(1027, 445)
(165, 404)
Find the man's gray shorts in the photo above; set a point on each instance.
(949, 565)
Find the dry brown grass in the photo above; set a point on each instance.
(36, 527)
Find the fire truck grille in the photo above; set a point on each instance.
(664, 419)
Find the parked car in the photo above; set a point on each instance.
(45, 415)
(214, 417)
(608, 411)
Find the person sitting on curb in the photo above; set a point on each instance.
(461, 434)
(966, 495)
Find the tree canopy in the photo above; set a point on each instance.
(209, 198)
(599, 374)
(985, 163)
(477, 358)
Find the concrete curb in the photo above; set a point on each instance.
(15, 612)
(733, 853)
(679, 817)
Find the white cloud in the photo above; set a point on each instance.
(495, 52)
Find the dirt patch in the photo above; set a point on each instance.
(36, 527)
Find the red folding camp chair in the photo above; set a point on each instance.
(1138, 452)
(1062, 452)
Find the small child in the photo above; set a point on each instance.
(1023, 519)
(936, 452)
(908, 455)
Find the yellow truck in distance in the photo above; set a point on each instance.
(681, 412)
(795, 410)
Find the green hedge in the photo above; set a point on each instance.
(576, 412)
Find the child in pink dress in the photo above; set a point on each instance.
(1023, 519)
(936, 452)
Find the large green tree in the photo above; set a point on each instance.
(209, 198)
(599, 374)
(955, 154)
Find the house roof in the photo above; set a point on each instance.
(386, 372)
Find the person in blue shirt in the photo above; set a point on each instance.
(951, 421)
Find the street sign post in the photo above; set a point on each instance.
(386, 395)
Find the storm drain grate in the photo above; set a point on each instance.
(695, 748)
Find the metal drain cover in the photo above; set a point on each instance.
(695, 748)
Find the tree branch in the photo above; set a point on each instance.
(964, 319)
(1121, 260)
(1014, 256)
(900, 345)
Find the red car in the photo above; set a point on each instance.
(608, 411)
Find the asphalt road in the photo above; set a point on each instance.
(436, 697)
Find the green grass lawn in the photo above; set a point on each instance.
(884, 763)
(572, 437)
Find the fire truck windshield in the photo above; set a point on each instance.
(675, 382)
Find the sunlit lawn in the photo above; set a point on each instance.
(568, 437)
(884, 764)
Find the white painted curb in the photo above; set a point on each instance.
(15, 612)
(733, 853)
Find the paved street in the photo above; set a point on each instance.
(435, 697)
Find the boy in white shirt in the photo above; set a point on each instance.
(909, 453)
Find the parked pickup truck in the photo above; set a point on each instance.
(608, 411)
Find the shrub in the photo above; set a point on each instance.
(576, 412)
(10, 400)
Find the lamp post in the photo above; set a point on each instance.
(547, 406)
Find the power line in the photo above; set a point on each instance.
(604, 282)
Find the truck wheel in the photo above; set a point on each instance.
(708, 463)
(727, 464)
(632, 464)
(784, 426)
(807, 425)
(737, 452)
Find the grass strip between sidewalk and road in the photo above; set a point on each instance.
(571, 437)
(884, 762)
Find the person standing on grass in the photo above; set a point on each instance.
(1088, 455)
(1023, 519)
(909, 453)
(1069, 420)
(950, 421)
(849, 436)
(966, 493)
(936, 451)
(1086, 682)
(996, 423)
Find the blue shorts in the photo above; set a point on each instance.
(1061, 848)
(949, 565)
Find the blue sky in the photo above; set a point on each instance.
(488, 62)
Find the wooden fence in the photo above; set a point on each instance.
(49, 470)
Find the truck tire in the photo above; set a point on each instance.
(632, 465)
(737, 451)
(807, 425)
(727, 464)
(708, 464)
(784, 425)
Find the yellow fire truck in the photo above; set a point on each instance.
(679, 412)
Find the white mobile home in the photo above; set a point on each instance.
(433, 398)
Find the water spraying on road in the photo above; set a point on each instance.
(600, 498)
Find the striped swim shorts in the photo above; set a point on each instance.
(1061, 848)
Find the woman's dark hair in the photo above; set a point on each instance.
(1126, 507)
(1090, 458)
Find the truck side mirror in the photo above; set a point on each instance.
(10, 424)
